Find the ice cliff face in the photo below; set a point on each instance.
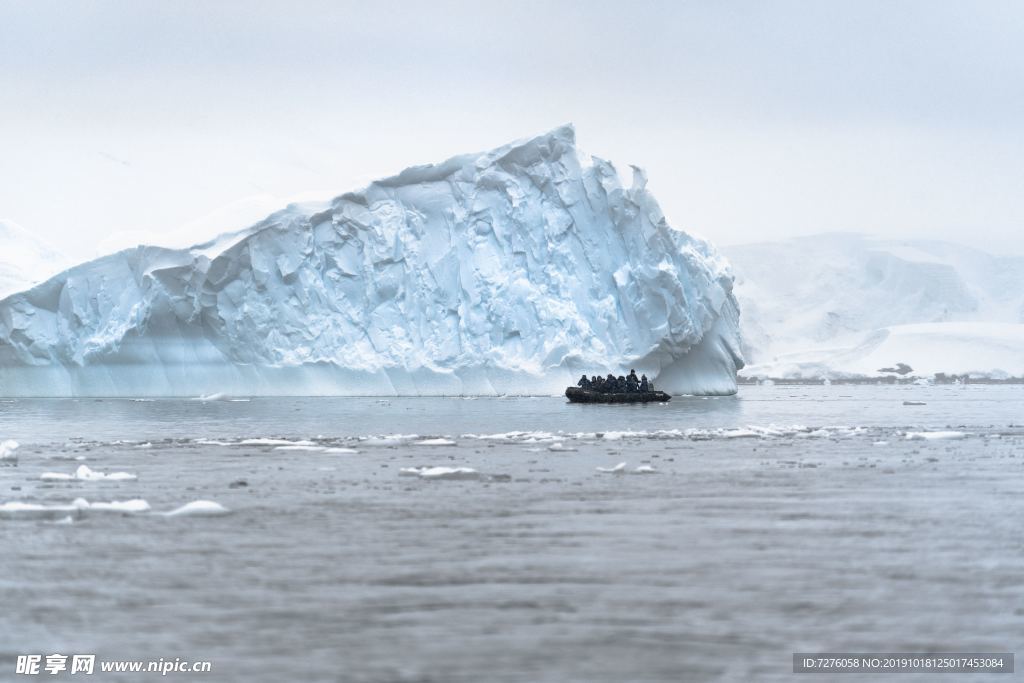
(512, 271)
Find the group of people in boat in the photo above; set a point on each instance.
(616, 385)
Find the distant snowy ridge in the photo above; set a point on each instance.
(24, 259)
(846, 305)
(511, 271)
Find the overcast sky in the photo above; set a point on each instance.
(755, 120)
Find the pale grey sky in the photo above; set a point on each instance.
(755, 120)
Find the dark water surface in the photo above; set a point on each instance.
(785, 519)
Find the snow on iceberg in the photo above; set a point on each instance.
(510, 271)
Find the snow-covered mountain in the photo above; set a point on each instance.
(24, 259)
(842, 305)
(513, 270)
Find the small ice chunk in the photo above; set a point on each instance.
(198, 507)
(78, 505)
(387, 439)
(645, 469)
(559, 447)
(7, 449)
(434, 442)
(273, 442)
(340, 449)
(134, 505)
(748, 433)
(449, 473)
(439, 472)
(299, 447)
(83, 473)
(930, 436)
(618, 469)
(19, 506)
(56, 476)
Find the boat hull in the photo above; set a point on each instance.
(579, 395)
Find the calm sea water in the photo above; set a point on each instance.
(784, 519)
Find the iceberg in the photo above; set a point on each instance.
(511, 271)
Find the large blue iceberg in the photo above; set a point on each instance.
(510, 271)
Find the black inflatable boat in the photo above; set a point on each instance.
(578, 395)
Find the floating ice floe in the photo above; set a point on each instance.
(931, 436)
(83, 473)
(559, 447)
(560, 440)
(20, 509)
(621, 469)
(694, 434)
(198, 508)
(212, 442)
(439, 472)
(7, 449)
(272, 442)
(219, 396)
(387, 439)
(315, 449)
(134, 505)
